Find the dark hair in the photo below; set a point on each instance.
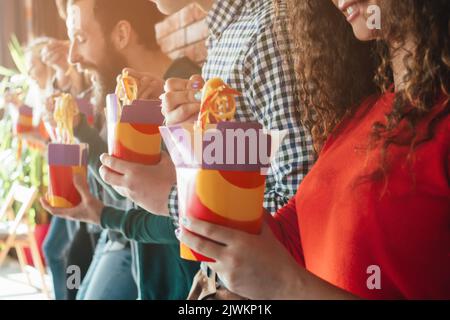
(141, 14)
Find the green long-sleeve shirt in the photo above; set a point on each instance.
(162, 274)
(140, 225)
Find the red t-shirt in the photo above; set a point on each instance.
(343, 230)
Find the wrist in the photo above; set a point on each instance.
(96, 210)
(304, 285)
(164, 207)
(295, 280)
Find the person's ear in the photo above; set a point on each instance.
(121, 35)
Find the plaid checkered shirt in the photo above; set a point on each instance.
(246, 50)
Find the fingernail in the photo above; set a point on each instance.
(196, 85)
(178, 233)
(185, 222)
(198, 96)
(161, 96)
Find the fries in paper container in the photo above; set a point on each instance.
(24, 120)
(66, 157)
(64, 161)
(22, 115)
(133, 125)
(220, 165)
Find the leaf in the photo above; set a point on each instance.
(6, 72)
(17, 54)
(18, 60)
(15, 42)
(3, 85)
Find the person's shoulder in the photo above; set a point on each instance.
(182, 68)
(265, 10)
(266, 13)
(270, 21)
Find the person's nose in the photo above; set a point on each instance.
(74, 55)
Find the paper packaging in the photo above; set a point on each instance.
(24, 122)
(133, 133)
(87, 109)
(64, 161)
(230, 194)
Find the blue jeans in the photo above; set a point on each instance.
(55, 248)
(109, 276)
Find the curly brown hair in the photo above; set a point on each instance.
(336, 71)
(427, 77)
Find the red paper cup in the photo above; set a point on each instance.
(232, 199)
(65, 160)
(220, 174)
(133, 133)
(24, 123)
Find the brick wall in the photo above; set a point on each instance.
(183, 34)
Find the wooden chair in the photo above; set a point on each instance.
(15, 231)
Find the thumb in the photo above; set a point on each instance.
(80, 183)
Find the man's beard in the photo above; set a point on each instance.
(105, 74)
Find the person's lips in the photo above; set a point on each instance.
(350, 8)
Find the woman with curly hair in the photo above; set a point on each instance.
(372, 218)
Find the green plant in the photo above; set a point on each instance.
(15, 80)
(18, 56)
(30, 168)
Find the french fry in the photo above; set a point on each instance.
(65, 110)
(218, 103)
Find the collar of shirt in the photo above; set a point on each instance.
(222, 13)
